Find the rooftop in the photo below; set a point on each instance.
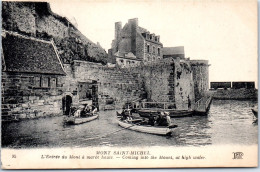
(30, 55)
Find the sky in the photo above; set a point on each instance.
(221, 31)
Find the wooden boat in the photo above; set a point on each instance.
(173, 113)
(79, 120)
(144, 109)
(255, 112)
(165, 131)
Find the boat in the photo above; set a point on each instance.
(173, 112)
(158, 130)
(255, 112)
(79, 120)
(144, 109)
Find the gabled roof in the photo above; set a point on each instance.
(141, 30)
(173, 50)
(26, 54)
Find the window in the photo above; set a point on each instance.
(158, 51)
(45, 82)
(53, 82)
(153, 50)
(122, 61)
(151, 37)
(37, 81)
(59, 82)
(31, 80)
(148, 48)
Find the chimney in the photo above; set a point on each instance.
(133, 26)
(118, 28)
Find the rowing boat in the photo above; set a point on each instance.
(79, 120)
(146, 128)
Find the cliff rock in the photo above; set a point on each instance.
(36, 19)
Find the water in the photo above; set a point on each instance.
(228, 122)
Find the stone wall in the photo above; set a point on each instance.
(184, 86)
(22, 98)
(236, 94)
(157, 80)
(113, 83)
(168, 81)
(200, 70)
(140, 46)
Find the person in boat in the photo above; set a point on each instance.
(160, 119)
(126, 115)
(164, 119)
(78, 112)
(129, 117)
(168, 119)
(123, 114)
(151, 120)
(88, 108)
(94, 110)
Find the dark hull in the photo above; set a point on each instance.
(201, 113)
(173, 113)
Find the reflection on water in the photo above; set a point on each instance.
(228, 122)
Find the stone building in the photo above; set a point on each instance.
(32, 77)
(140, 42)
(124, 60)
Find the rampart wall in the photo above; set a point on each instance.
(21, 98)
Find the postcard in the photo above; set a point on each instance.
(129, 84)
